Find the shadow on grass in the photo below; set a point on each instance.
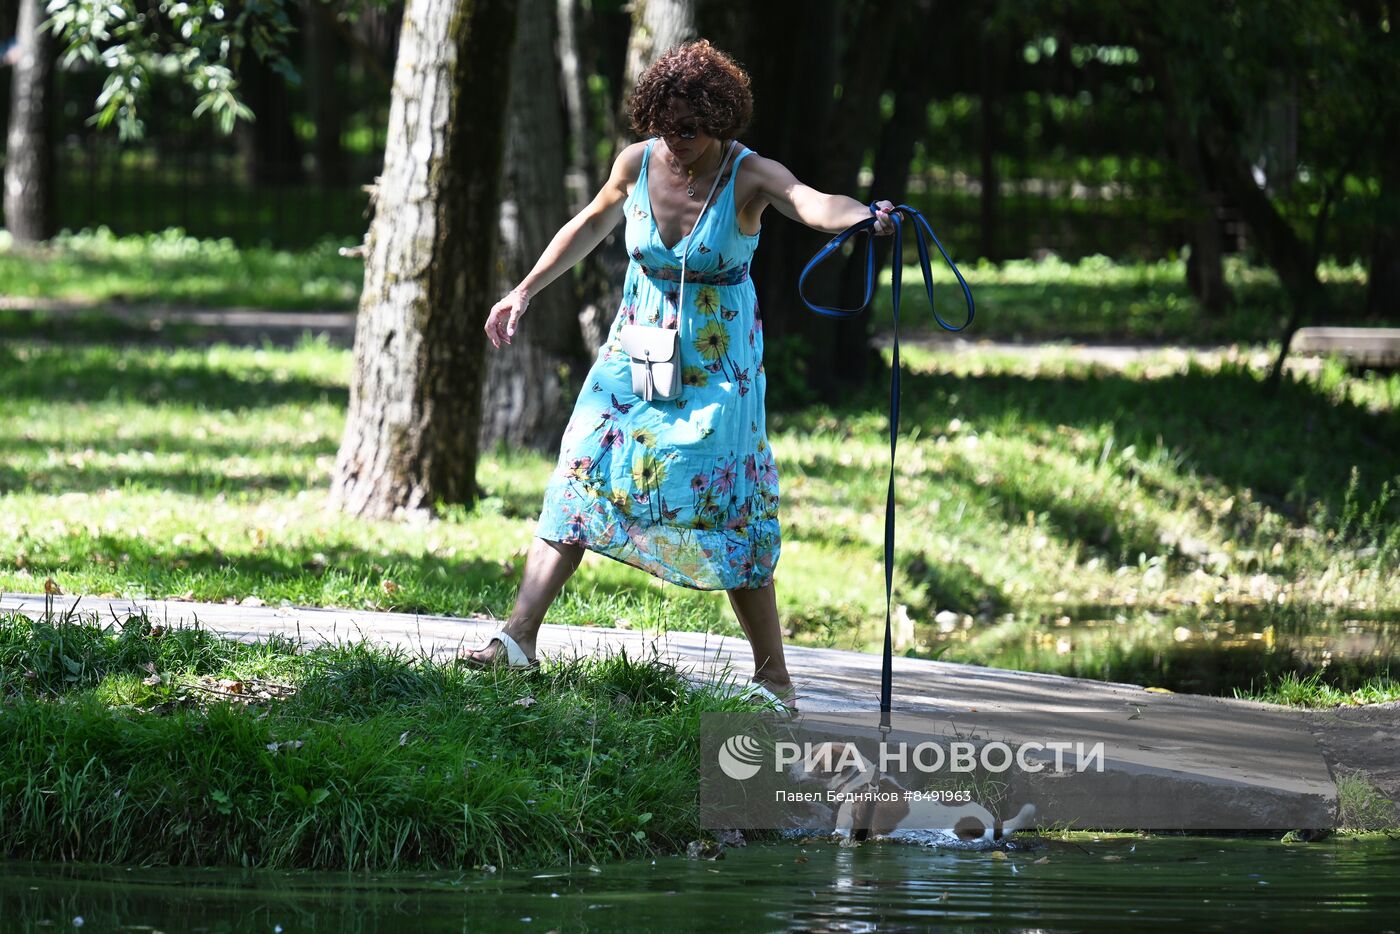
(101, 374)
(209, 478)
(1291, 449)
(428, 584)
(209, 482)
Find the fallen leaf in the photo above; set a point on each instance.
(1113, 859)
(389, 587)
(1159, 690)
(152, 681)
(997, 854)
(403, 737)
(525, 702)
(251, 601)
(51, 588)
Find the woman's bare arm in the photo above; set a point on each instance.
(586, 229)
(804, 204)
(575, 240)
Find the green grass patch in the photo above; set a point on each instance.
(1312, 690)
(173, 268)
(1091, 299)
(1169, 524)
(1097, 299)
(1362, 807)
(125, 742)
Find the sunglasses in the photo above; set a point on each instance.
(689, 132)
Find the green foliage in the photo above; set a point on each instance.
(199, 41)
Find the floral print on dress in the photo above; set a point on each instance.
(685, 489)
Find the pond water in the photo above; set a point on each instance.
(1198, 650)
(1197, 883)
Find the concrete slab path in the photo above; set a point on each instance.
(1261, 758)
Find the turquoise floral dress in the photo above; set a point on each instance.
(685, 488)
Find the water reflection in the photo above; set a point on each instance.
(1144, 882)
(1202, 650)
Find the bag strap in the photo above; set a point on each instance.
(920, 225)
(685, 250)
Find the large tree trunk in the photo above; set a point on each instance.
(29, 202)
(533, 381)
(411, 434)
(324, 48)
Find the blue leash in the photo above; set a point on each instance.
(896, 266)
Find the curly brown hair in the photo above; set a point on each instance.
(712, 83)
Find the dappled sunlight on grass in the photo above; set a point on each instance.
(1029, 489)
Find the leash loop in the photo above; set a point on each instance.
(920, 227)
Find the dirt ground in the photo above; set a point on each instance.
(1363, 739)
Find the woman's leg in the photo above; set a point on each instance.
(757, 610)
(547, 566)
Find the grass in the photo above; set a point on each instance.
(1177, 527)
(173, 268)
(1312, 691)
(1096, 299)
(128, 743)
(1362, 808)
(1090, 299)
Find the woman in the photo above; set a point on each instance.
(686, 488)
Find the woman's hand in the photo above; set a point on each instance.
(884, 223)
(505, 315)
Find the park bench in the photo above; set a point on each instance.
(1360, 346)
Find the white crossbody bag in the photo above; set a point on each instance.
(654, 351)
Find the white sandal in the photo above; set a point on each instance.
(515, 655)
(782, 706)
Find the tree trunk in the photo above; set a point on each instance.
(990, 65)
(1205, 269)
(324, 49)
(531, 393)
(1285, 252)
(657, 25)
(913, 84)
(574, 49)
(411, 434)
(1383, 271)
(1383, 289)
(29, 199)
(850, 357)
(792, 83)
(268, 145)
